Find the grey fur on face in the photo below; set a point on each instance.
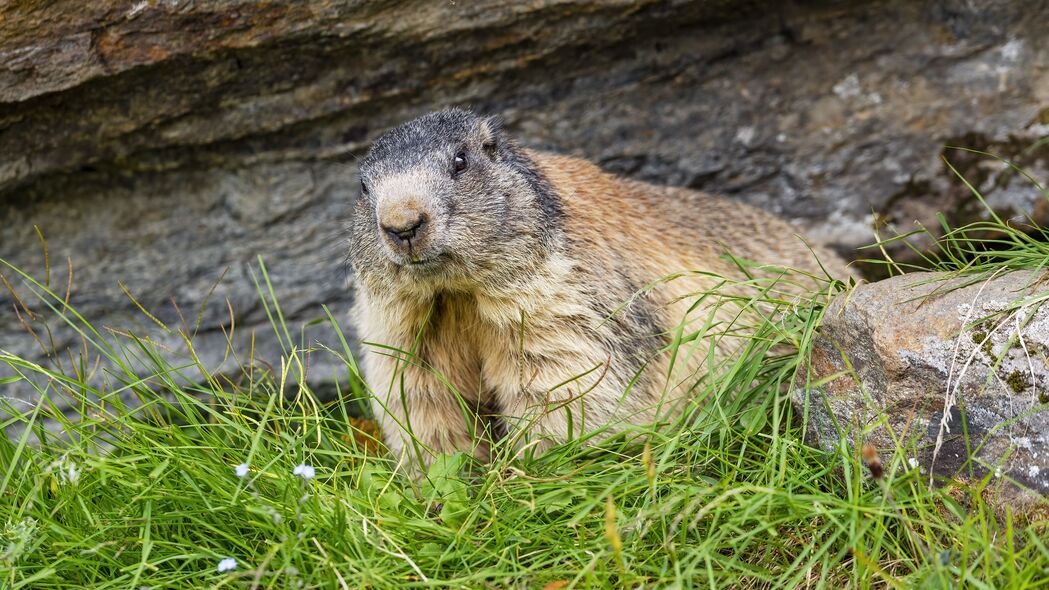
(449, 202)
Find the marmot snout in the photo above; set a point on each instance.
(492, 280)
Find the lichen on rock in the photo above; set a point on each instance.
(924, 344)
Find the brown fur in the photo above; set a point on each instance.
(544, 351)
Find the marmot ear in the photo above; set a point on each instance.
(491, 133)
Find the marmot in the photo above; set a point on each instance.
(500, 284)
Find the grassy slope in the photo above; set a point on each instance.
(147, 495)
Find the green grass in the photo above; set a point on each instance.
(145, 493)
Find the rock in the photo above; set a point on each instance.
(191, 263)
(163, 144)
(920, 345)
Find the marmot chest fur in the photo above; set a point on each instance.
(498, 286)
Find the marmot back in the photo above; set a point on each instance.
(502, 285)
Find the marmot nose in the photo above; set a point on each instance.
(404, 231)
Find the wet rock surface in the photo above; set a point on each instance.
(162, 146)
(910, 348)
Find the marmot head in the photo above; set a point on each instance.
(449, 201)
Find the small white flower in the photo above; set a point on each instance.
(66, 469)
(912, 462)
(227, 565)
(72, 473)
(241, 470)
(304, 471)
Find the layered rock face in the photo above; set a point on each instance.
(956, 369)
(161, 146)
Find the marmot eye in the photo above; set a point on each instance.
(459, 162)
(364, 187)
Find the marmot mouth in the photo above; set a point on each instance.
(424, 263)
